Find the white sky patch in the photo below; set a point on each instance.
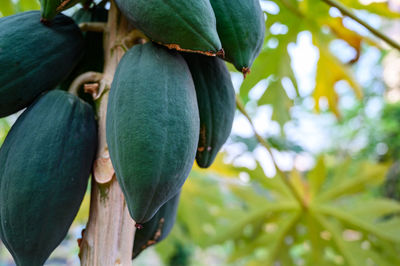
(265, 161)
(304, 57)
(278, 28)
(269, 7)
(342, 50)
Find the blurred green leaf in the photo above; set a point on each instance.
(7, 8)
(26, 5)
(317, 176)
(4, 128)
(375, 7)
(367, 175)
(359, 223)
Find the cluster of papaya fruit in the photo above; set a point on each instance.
(171, 102)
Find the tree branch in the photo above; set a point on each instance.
(346, 12)
(264, 143)
(82, 79)
(93, 26)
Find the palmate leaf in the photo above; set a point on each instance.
(272, 240)
(351, 182)
(316, 177)
(268, 211)
(357, 222)
(371, 210)
(358, 252)
(275, 184)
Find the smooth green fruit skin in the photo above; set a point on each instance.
(34, 58)
(189, 24)
(216, 101)
(152, 127)
(158, 228)
(241, 28)
(45, 163)
(93, 58)
(50, 8)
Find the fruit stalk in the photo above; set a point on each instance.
(108, 238)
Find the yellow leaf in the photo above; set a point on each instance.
(330, 71)
(349, 36)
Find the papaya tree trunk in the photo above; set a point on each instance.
(108, 237)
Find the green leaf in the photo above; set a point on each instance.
(371, 210)
(357, 222)
(317, 243)
(317, 176)
(4, 128)
(274, 184)
(26, 5)
(276, 96)
(347, 252)
(379, 8)
(7, 8)
(360, 252)
(367, 174)
(262, 214)
(330, 71)
(272, 240)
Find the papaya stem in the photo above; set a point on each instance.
(110, 231)
(93, 26)
(347, 12)
(82, 79)
(265, 144)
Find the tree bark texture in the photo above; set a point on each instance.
(108, 237)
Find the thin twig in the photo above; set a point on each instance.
(264, 143)
(93, 26)
(346, 12)
(87, 77)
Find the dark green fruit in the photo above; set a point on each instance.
(152, 127)
(216, 101)
(241, 28)
(93, 58)
(34, 58)
(50, 8)
(187, 25)
(158, 228)
(45, 163)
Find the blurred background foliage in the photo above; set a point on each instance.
(310, 174)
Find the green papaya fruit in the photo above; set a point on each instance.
(216, 101)
(50, 8)
(93, 58)
(152, 127)
(241, 28)
(45, 162)
(34, 58)
(186, 25)
(158, 228)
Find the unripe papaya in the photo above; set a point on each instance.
(216, 101)
(45, 162)
(152, 127)
(158, 228)
(50, 8)
(241, 28)
(34, 58)
(186, 25)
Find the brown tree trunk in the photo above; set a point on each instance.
(108, 238)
